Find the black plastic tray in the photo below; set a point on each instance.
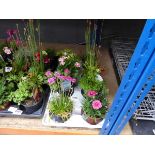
(37, 114)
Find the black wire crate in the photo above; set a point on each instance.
(122, 50)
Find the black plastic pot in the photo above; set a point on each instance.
(29, 109)
(82, 92)
(57, 118)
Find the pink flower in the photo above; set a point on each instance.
(56, 74)
(61, 59)
(68, 78)
(96, 104)
(77, 64)
(91, 93)
(18, 42)
(48, 73)
(7, 50)
(73, 80)
(51, 80)
(67, 71)
(61, 77)
(62, 63)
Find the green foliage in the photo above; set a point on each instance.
(2, 64)
(26, 86)
(25, 51)
(90, 46)
(61, 106)
(21, 58)
(15, 78)
(5, 89)
(89, 79)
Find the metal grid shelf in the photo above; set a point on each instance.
(122, 51)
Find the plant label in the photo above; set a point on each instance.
(65, 85)
(18, 112)
(8, 69)
(12, 109)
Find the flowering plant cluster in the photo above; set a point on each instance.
(95, 92)
(69, 62)
(94, 106)
(22, 62)
(55, 80)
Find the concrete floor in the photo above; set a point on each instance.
(34, 126)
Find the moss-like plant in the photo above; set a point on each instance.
(61, 106)
(27, 87)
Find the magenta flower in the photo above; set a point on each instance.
(46, 60)
(51, 80)
(67, 71)
(68, 78)
(48, 73)
(7, 50)
(11, 32)
(96, 104)
(73, 80)
(61, 77)
(91, 93)
(77, 64)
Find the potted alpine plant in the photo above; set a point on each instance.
(60, 108)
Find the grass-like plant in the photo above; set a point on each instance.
(61, 106)
(89, 80)
(25, 46)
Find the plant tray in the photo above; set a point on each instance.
(37, 114)
(122, 52)
(76, 119)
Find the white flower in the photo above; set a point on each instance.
(23, 78)
(65, 53)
